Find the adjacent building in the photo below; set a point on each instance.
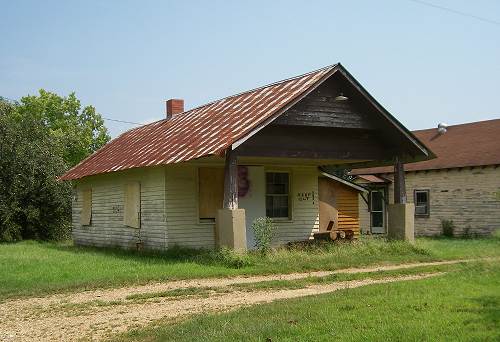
(461, 185)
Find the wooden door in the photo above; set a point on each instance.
(377, 212)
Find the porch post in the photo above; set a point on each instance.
(399, 182)
(231, 180)
(230, 225)
(400, 214)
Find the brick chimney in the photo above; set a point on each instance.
(174, 106)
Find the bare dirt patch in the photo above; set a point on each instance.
(103, 321)
(97, 314)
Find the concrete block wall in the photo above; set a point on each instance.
(468, 196)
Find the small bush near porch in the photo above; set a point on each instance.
(34, 268)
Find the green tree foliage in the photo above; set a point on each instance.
(80, 131)
(40, 138)
(33, 203)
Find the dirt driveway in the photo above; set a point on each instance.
(95, 315)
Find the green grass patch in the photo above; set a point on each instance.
(181, 292)
(305, 282)
(36, 268)
(300, 283)
(462, 305)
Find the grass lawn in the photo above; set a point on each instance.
(33, 268)
(462, 305)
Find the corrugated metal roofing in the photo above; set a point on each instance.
(199, 132)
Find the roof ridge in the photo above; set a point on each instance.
(460, 124)
(331, 66)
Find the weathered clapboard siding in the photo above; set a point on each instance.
(314, 143)
(184, 228)
(181, 191)
(347, 204)
(169, 209)
(107, 228)
(339, 204)
(305, 209)
(319, 109)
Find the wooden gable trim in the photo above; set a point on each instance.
(379, 108)
(385, 113)
(284, 108)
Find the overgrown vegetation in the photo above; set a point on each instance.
(40, 137)
(448, 228)
(264, 230)
(35, 268)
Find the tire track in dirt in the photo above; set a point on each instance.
(101, 322)
(121, 293)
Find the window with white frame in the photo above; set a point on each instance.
(277, 194)
(422, 202)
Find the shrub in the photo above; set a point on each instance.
(447, 227)
(467, 234)
(264, 231)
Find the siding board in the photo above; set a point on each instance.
(107, 227)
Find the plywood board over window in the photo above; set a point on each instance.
(86, 214)
(132, 205)
(211, 192)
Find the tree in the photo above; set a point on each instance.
(40, 138)
(80, 131)
(34, 204)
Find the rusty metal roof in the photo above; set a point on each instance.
(203, 131)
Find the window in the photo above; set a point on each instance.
(132, 205)
(210, 192)
(422, 203)
(86, 214)
(277, 199)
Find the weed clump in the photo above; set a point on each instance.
(264, 230)
(448, 227)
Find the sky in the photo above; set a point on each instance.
(423, 64)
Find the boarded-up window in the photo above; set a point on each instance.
(86, 214)
(132, 205)
(211, 192)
